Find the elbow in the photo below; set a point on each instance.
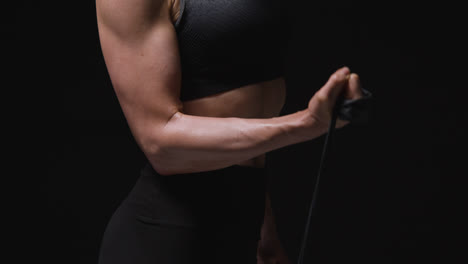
(158, 155)
(156, 145)
(151, 147)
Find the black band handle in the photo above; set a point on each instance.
(356, 110)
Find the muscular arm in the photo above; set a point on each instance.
(202, 143)
(141, 52)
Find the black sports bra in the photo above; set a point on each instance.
(225, 44)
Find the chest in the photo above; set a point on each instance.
(224, 29)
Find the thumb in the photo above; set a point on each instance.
(335, 84)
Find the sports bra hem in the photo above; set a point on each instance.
(212, 87)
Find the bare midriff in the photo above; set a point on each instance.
(256, 100)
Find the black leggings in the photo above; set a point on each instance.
(205, 217)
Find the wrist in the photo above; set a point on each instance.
(310, 126)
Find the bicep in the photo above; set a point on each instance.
(144, 66)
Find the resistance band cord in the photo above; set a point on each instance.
(353, 110)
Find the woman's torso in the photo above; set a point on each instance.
(256, 100)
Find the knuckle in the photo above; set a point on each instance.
(322, 97)
(356, 80)
(334, 77)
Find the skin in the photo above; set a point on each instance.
(140, 48)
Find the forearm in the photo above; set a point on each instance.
(191, 143)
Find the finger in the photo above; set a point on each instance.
(341, 123)
(335, 83)
(354, 85)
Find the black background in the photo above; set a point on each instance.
(390, 194)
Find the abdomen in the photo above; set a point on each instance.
(258, 100)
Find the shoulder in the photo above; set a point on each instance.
(125, 16)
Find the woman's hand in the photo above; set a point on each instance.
(321, 105)
(270, 250)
